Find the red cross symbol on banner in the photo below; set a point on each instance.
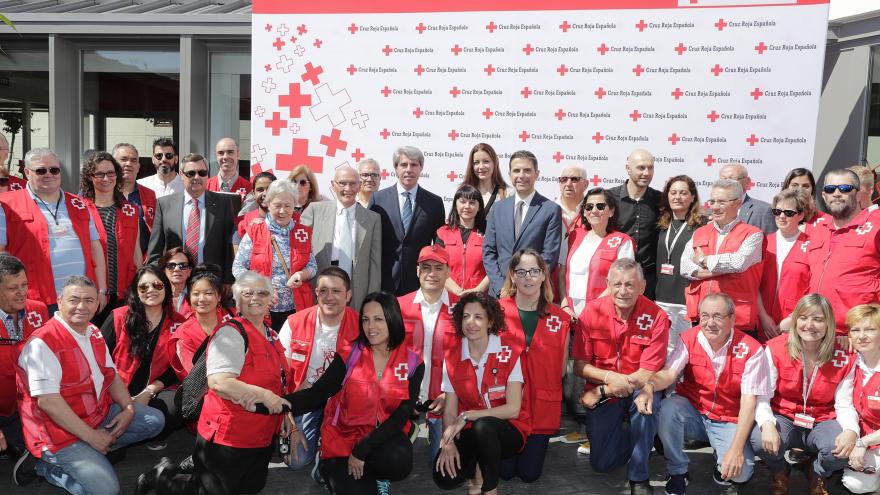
(596, 180)
(385, 91)
(635, 115)
(488, 113)
(357, 155)
(557, 157)
(760, 48)
(613, 242)
(504, 354)
(401, 371)
(351, 70)
(128, 210)
(317, 43)
(840, 359)
(527, 49)
(78, 204)
(709, 160)
(455, 91)
(276, 123)
(638, 69)
(333, 143)
(312, 73)
(680, 49)
(677, 93)
(864, 228)
(525, 92)
(299, 155)
(598, 137)
(489, 70)
(600, 92)
(740, 350)
(301, 29)
(645, 322)
(455, 49)
(565, 26)
(562, 70)
(385, 133)
(720, 24)
(641, 25)
(452, 176)
(713, 116)
(524, 135)
(301, 235)
(554, 324)
(384, 174)
(757, 93)
(674, 139)
(752, 140)
(560, 114)
(294, 100)
(491, 26)
(419, 69)
(278, 44)
(418, 112)
(602, 49)
(421, 28)
(717, 69)
(452, 134)
(35, 319)
(353, 28)
(387, 50)
(804, 245)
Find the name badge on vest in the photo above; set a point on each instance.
(874, 402)
(804, 421)
(667, 269)
(298, 356)
(497, 392)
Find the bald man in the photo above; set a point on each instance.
(753, 211)
(227, 179)
(638, 207)
(347, 235)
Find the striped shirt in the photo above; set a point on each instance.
(755, 377)
(108, 218)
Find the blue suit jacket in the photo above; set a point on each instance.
(541, 230)
(757, 213)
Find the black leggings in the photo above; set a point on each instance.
(486, 443)
(391, 461)
(529, 463)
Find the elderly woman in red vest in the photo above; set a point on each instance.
(137, 337)
(462, 237)
(863, 322)
(592, 243)
(805, 408)
(117, 222)
(280, 248)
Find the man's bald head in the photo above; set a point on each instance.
(640, 167)
(736, 171)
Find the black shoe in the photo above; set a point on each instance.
(676, 484)
(716, 477)
(186, 466)
(640, 488)
(147, 481)
(25, 469)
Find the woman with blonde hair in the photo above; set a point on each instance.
(863, 322)
(307, 186)
(809, 406)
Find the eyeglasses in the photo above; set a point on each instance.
(57, 170)
(155, 284)
(301, 182)
(720, 202)
(598, 206)
(192, 173)
(168, 156)
(572, 179)
(531, 272)
(177, 266)
(788, 213)
(369, 175)
(844, 188)
(103, 175)
(248, 294)
(344, 183)
(714, 316)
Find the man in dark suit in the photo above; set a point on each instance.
(523, 220)
(411, 216)
(198, 220)
(753, 211)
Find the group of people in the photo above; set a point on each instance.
(332, 330)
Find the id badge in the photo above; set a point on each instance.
(59, 230)
(874, 402)
(667, 269)
(498, 392)
(298, 356)
(804, 421)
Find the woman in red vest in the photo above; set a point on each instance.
(280, 248)
(137, 337)
(786, 269)
(178, 263)
(590, 246)
(117, 222)
(863, 322)
(484, 174)
(462, 237)
(255, 209)
(484, 420)
(805, 408)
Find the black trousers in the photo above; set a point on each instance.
(164, 402)
(219, 470)
(392, 461)
(486, 443)
(279, 318)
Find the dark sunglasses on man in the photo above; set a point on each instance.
(168, 156)
(43, 170)
(844, 188)
(192, 173)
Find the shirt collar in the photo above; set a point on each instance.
(34, 195)
(73, 332)
(414, 190)
(864, 366)
(200, 200)
(705, 343)
(276, 227)
(727, 228)
(527, 199)
(419, 298)
(493, 347)
(340, 208)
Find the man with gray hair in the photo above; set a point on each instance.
(752, 211)
(572, 186)
(371, 177)
(51, 231)
(725, 256)
(410, 216)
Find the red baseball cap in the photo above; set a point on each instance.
(434, 253)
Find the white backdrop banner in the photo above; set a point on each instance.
(699, 83)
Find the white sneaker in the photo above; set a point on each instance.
(584, 448)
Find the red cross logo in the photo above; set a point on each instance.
(353, 28)
(128, 210)
(558, 157)
(317, 43)
(491, 26)
(614, 242)
(720, 24)
(357, 155)
(635, 115)
(525, 92)
(641, 25)
(602, 49)
(804, 246)
(421, 28)
(864, 228)
(489, 70)
(276, 123)
(527, 49)
(560, 114)
(740, 350)
(35, 319)
(401, 371)
(78, 204)
(760, 48)
(352, 70)
(452, 134)
(385, 91)
(455, 91)
(752, 140)
(674, 139)
(95, 332)
(301, 235)
(488, 113)
(524, 135)
(680, 49)
(677, 93)
(384, 174)
(598, 137)
(554, 324)
(565, 26)
(419, 70)
(596, 180)
(278, 44)
(312, 73)
(294, 100)
(709, 160)
(638, 69)
(600, 92)
(757, 93)
(299, 155)
(713, 116)
(452, 176)
(387, 50)
(504, 354)
(385, 133)
(645, 322)
(840, 358)
(717, 69)
(301, 29)
(333, 143)
(455, 49)
(562, 70)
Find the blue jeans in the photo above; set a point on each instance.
(435, 433)
(612, 446)
(310, 425)
(679, 420)
(82, 470)
(819, 440)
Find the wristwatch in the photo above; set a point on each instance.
(464, 416)
(860, 444)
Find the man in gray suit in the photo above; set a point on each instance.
(198, 220)
(525, 219)
(347, 235)
(753, 211)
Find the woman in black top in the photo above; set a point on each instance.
(680, 215)
(484, 173)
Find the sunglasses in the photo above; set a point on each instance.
(192, 173)
(844, 188)
(156, 284)
(57, 170)
(573, 180)
(301, 182)
(177, 266)
(598, 206)
(788, 213)
(103, 175)
(168, 156)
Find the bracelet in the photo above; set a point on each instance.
(605, 379)
(464, 416)
(602, 391)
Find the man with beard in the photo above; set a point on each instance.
(143, 197)
(227, 179)
(166, 180)
(844, 253)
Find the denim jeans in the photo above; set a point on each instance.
(310, 425)
(819, 440)
(435, 433)
(679, 420)
(82, 470)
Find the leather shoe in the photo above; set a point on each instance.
(147, 481)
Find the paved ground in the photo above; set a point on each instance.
(565, 472)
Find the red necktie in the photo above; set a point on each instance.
(192, 229)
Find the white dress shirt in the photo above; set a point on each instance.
(161, 188)
(344, 219)
(430, 314)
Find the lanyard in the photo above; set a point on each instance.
(669, 247)
(807, 387)
(57, 205)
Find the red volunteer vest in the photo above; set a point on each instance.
(866, 398)
(789, 397)
(126, 239)
(249, 217)
(542, 363)
(793, 282)
(492, 391)
(27, 237)
(741, 287)
(845, 264)
(148, 204)
(241, 186)
(224, 422)
(263, 255)
(16, 184)
(35, 315)
(601, 261)
(444, 332)
(302, 339)
(364, 401)
(126, 363)
(77, 389)
(185, 341)
(719, 401)
(466, 266)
